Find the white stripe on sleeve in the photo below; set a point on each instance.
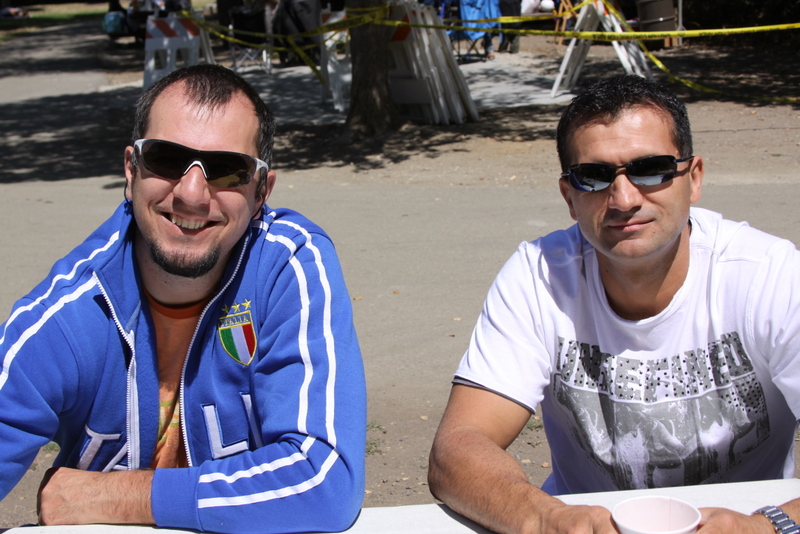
(263, 496)
(330, 397)
(261, 468)
(302, 336)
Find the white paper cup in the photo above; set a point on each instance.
(655, 515)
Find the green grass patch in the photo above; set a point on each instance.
(47, 15)
(534, 423)
(374, 444)
(374, 425)
(51, 447)
(45, 19)
(39, 19)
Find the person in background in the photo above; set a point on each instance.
(509, 42)
(293, 17)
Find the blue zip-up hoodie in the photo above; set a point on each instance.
(272, 395)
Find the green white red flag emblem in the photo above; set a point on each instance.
(238, 336)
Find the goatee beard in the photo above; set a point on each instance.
(184, 266)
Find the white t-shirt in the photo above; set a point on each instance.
(706, 391)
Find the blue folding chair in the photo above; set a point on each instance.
(474, 10)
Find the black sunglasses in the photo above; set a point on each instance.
(652, 170)
(221, 169)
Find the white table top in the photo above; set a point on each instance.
(743, 497)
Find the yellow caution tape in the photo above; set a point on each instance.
(369, 16)
(689, 83)
(378, 15)
(631, 35)
(639, 36)
(697, 86)
(575, 8)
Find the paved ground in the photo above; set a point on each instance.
(421, 226)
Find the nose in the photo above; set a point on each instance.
(192, 188)
(623, 195)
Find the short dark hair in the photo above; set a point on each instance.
(607, 99)
(212, 86)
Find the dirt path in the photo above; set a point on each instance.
(423, 218)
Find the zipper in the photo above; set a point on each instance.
(189, 351)
(132, 393)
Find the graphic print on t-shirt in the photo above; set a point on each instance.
(665, 420)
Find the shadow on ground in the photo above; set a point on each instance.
(740, 74)
(65, 137)
(308, 146)
(745, 75)
(80, 135)
(77, 136)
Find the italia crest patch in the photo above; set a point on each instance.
(237, 333)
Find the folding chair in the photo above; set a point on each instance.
(249, 19)
(473, 10)
(561, 19)
(471, 49)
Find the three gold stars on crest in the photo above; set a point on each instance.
(236, 308)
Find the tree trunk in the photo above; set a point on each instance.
(372, 111)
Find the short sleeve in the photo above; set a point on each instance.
(507, 354)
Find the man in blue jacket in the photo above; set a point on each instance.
(195, 358)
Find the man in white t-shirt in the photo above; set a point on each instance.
(660, 340)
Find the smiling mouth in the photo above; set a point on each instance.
(189, 225)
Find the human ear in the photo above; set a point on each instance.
(130, 172)
(264, 191)
(696, 173)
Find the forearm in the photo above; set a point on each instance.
(471, 472)
(75, 497)
(460, 476)
(481, 481)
